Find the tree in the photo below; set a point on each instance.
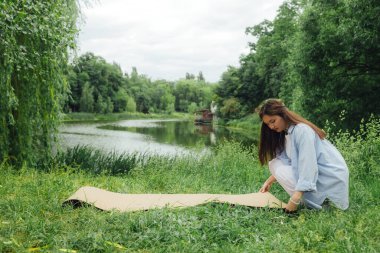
(162, 97)
(87, 98)
(100, 105)
(272, 49)
(231, 109)
(321, 57)
(109, 107)
(131, 105)
(190, 76)
(200, 77)
(338, 50)
(227, 87)
(192, 108)
(141, 89)
(106, 79)
(251, 88)
(187, 91)
(120, 100)
(34, 41)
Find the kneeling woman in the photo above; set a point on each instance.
(300, 159)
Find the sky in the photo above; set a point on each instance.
(165, 39)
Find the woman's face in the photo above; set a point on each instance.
(275, 122)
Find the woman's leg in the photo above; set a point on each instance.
(283, 174)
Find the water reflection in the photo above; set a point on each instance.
(157, 136)
(182, 133)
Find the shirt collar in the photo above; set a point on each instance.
(291, 128)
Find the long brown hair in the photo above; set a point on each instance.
(271, 141)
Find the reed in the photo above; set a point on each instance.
(95, 161)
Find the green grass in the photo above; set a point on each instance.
(248, 126)
(32, 218)
(251, 122)
(93, 161)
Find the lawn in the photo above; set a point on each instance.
(32, 217)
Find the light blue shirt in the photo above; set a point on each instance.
(319, 168)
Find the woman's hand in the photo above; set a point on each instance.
(291, 207)
(268, 183)
(293, 202)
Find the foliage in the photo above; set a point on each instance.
(131, 105)
(273, 47)
(361, 149)
(94, 81)
(320, 57)
(337, 60)
(263, 72)
(34, 40)
(96, 86)
(162, 96)
(227, 85)
(187, 91)
(231, 108)
(87, 99)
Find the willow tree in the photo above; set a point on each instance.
(35, 38)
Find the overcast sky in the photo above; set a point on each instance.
(165, 39)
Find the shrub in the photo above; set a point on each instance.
(361, 149)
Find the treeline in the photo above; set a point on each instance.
(321, 57)
(101, 87)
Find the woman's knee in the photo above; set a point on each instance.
(273, 165)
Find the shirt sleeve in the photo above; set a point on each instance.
(307, 159)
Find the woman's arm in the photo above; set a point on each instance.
(307, 164)
(268, 183)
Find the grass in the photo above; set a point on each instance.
(93, 161)
(32, 218)
(248, 126)
(251, 122)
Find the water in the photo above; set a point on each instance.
(167, 137)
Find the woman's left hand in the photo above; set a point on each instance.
(293, 202)
(291, 207)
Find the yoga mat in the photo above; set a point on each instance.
(106, 200)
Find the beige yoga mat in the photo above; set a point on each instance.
(123, 202)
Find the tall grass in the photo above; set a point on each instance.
(32, 218)
(94, 161)
(361, 150)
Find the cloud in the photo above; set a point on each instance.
(165, 39)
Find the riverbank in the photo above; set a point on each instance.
(251, 122)
(77, 117)
(32, 218)
(248, 126)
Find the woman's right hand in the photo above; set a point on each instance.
(267, 185)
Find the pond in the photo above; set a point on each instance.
(167, 137)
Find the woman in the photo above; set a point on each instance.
(300, 159)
